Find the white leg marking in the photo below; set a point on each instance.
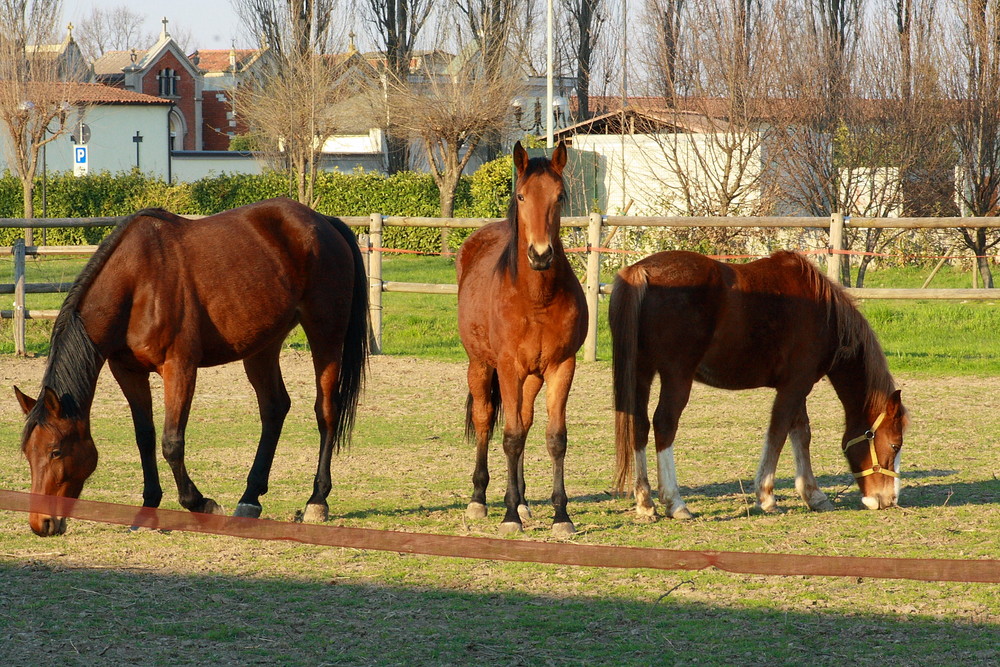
(670, 492)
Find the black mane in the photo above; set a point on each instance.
(507, 262)
(74, 361)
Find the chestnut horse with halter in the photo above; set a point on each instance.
(776, 322)
(522, 318)
(168, 295)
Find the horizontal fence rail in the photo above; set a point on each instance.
(500, 549)
(595, 224)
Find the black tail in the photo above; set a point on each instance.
(497, 405)
(355, 360)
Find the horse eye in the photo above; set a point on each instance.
(520, 197)
(55, 453)
(896, 446)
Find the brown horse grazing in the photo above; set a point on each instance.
(776, 322)
(171, 295)
(522, 317)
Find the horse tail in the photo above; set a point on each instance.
(623, 316)
(497, 409)
(356, 342)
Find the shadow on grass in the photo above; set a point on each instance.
(84, 616)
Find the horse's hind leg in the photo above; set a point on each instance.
(264, 372)
(805, 481)
(674, 394)
(482, 415)
(135, 387)
(178, 389)
(559, 383)
(643, 492)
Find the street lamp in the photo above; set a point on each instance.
(520, 105)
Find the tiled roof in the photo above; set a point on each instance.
(113, 62)
(217, 60)
(96, 93)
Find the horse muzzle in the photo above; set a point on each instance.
(540, 261)
(47, 526)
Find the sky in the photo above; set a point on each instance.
(212, 24)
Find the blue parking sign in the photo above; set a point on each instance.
(80, 166)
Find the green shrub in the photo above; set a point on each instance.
(358, 193)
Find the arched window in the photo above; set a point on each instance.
(167, 79)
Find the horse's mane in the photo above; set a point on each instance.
(74, 361)
(856, 339)
(507, 262)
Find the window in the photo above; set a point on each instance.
(168, 82)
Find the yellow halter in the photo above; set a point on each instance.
(869, 435)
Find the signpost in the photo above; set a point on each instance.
(80, 160)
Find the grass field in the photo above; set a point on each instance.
(103, 594)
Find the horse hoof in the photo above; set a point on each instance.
(681, 514)
(475, 511)
(209, 506)
(563, 529)
(248, 510)
(771, 508)
(315, 514)
(524, 512)
(825, 506)
(511, 528)
(645, 512)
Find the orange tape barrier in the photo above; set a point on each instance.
(507, 549)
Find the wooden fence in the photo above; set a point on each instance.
(594, 224)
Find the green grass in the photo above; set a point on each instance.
(944, 337)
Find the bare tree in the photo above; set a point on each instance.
(713, 143)
(585, 18)
(35, 100)
(974, 83)
(664, 19)
(293, 101)
(450, 116)
(395, 27)
(112, 29)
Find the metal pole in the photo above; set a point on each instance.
(549, 51)
(375, 280)
(593, 292)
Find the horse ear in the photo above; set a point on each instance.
(27, 402)
(51, 402)
(895, 404)
(520, 158)
(559, 158)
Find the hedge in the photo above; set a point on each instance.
(357, 193)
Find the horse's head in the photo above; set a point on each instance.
(874, 455)
(59, 450)
(539, 193)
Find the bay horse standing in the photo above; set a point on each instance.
(168, 295)
(775, 322)
(522, 318)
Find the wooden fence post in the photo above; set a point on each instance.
(375, 281)
(593, 285)
(836, 245)
(18, 319)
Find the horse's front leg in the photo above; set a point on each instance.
(788, 405)
(135, 387)
(264, 372)
(514, 435)
(559, 382)
(178, 389)
(805, 481)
